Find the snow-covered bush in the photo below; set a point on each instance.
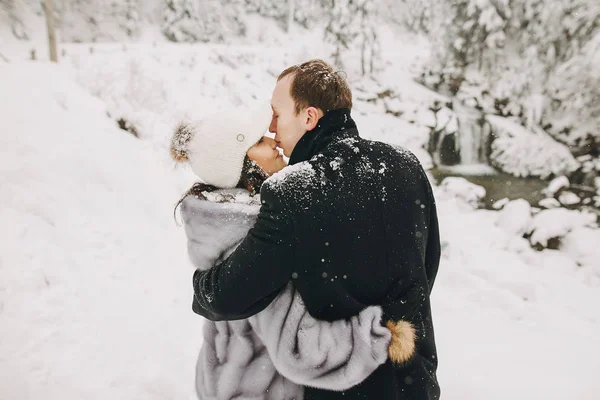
(352, 28)
(98, 21)
(202, 20)
(538, 60)
(549, 226)
(178, 20)
(522, 153)
(463, 32)
(268, 8)
(574, 117)
(14, 15)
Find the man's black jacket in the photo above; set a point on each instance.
(352, 223)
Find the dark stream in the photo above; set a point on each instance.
(500, 185)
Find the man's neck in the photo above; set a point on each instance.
(316, 140)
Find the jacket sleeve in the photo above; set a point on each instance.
(253, 275)
(327, 355)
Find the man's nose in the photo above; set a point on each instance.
(273, 125)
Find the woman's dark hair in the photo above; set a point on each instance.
(251, 179)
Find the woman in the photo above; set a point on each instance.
(273, 354)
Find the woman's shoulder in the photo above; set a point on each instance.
(232, 196)
(222, 204)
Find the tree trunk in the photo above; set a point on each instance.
(363, 48)
(363, 61)
(49, 9)
(291, 11)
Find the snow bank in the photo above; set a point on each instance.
(515, 217)
(582, 244)
(94, 278)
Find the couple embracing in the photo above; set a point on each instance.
(315, 277)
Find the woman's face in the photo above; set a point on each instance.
(265, 154)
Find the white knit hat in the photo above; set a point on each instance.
(216, 146)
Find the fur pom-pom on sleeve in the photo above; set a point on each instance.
(402, 346)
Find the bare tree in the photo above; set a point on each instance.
(290, 16)
(49, 10)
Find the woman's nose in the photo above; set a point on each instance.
(270, 142)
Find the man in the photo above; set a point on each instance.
(351, 222)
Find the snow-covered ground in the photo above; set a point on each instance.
(95, 286)
(95, 297)
(511, 322)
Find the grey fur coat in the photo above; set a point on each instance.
(273, 354)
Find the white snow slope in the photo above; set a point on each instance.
(95, 289)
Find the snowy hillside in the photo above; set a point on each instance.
(94, 281)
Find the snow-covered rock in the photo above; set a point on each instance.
(549, 202)
(557, 184)
(568, 198)
(461, 189)
(498, 205)
(515, 217)
(556, 223)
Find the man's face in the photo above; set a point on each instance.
(286, 125)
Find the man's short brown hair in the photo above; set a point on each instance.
(317, 84)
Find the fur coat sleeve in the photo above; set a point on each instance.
(329, 355)
(326, 355)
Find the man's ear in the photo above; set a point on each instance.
(313, 115)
